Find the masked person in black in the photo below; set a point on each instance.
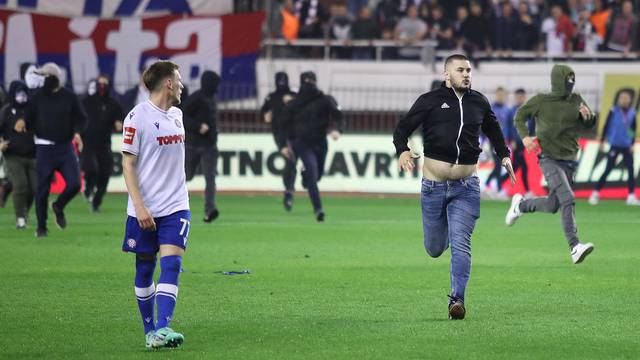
(104, 116)
(200, 122)
(57, 118)
(306, 122)
(19, 151)
(272, 112)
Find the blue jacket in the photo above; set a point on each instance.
(503, 115)
(620, 128)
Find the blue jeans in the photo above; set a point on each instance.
(313, 156)
(449, 213)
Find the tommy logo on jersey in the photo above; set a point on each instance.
(129, 133)
(171, 139)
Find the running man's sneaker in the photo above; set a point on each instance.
(580, 252)
(456, 308)
(149, 339)
(320, 216)
(594, 199)
(166, 338)
(514, 211)
(42, 232)
(21, 223)
(61, 221)
(632, 200)
(210, 216)
(288, 201)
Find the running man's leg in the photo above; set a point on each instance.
(70, 171)
(311, 172)
(463, 209)
(46, 161)
(209, 163)
(104, 159)
(628, 162)
(434, 217)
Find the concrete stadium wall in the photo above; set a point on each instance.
(359, 85)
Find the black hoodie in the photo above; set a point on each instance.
(20, 144)
(307, 117)
(200, 108)
(102, 113)
(275, 102)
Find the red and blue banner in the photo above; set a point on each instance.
(88, 46)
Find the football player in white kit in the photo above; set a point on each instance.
(158, 207)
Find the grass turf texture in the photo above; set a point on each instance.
(358, 286)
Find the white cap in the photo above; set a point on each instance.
(50, 69)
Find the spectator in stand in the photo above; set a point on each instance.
(621, 29)
(364, 28)
(339, 28)
(600, 17)
(559, 31)
(440, 30)
(290, 23)
(410, 30)
(461, 15)
(311, 15)
(506, 28)
(573, 11)
(474, 33)
(388, 14)
(587, 39)
(424, 11)
(526, 29)
(134, 96)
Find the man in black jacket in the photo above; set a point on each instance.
(272, 112)
(57, 119)
(451, 118)
(306, 120)
(200, 123)
(104, 116)
(19, 152)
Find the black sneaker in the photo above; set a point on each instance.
(42, 233)
(61, 221)
(288, 201)
(456, 308)
(320, 216)
(210, 216)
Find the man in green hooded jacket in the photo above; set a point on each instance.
(558, 116)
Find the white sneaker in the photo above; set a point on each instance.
(632, 200)
(514, 211)
(595, 198)
(580, 252)
(21, 223)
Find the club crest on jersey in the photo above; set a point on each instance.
(131, 243)
(178, 124)
(129, 133)
(157, 124)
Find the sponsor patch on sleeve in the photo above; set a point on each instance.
(129, 133)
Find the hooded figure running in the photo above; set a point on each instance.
(559, 116)
(201, 124)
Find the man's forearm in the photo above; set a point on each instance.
(131, 180)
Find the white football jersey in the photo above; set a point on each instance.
(156, 137)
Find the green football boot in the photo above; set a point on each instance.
(166, 338)
(149, 339)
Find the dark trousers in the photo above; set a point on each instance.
(22, 173)
(97, 165)
(627, 157)
(313, 156)
(289, 175)
(495, 174)
(207, 158)
(519, 163)
(51, 158)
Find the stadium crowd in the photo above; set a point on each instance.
(498, 27)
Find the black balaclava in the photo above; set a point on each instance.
(569, 83)
(18, 94)
(51, 82)
(282, 82)
(307, 81)
(102, 89)
(209, 82)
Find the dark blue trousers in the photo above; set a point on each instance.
(51, 158)
(313, 156)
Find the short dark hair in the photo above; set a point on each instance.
(520, 91)
(158, 71)
(454, 57)
(499, 88)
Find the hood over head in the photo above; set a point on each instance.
(18, 93)
(282, 81)
(209, 82)
(560, 83)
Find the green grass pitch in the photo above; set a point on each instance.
(359, 286)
